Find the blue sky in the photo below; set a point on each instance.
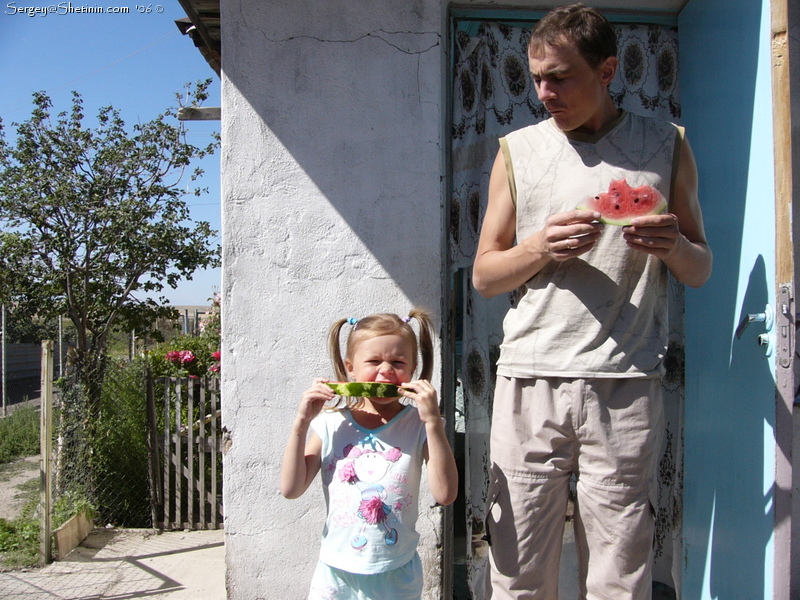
(134, 61)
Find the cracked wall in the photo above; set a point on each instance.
(332, 207)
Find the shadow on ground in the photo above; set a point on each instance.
(125, 563)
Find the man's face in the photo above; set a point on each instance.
(573, 92)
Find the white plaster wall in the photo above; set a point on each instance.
(332, 165)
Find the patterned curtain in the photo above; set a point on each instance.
(493, 95)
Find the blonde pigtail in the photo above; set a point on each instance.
(425, 342)
(335, 350)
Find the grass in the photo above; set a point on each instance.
(19, 434)
(19, 538)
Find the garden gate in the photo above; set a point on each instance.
(185, 452)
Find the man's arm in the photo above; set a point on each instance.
(677, 238)
(500, 265)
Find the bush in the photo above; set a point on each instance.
(103, 459)
(186, 356)
(191, 355)
(119, 450)
(70, 504)
(19, 434)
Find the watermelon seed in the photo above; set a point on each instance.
(616, 206)
(636, 200)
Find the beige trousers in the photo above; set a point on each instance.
(609, 433)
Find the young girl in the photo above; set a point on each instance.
(370, 451)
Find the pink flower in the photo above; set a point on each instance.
(180, 356)
(214, 368)
(217, 355)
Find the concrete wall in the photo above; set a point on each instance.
(333, 182)
(332, 163)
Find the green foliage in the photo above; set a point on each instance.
(93, 222)
(189, 355)
(19, 538)
(19, 434)
(24, 328)
(103, 451)
(119, 451)
(70, 504)
(19, 542)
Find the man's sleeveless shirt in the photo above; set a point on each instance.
(604, 313)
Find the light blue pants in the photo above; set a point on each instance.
(403, 583)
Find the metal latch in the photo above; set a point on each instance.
(786, 324)
(767, 317)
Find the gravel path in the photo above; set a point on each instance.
(12, 475)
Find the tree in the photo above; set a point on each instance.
(27, 329)
(94, 222)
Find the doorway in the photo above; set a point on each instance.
(492, 94)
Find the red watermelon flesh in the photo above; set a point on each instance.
(621, 203)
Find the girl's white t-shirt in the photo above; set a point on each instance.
(371, 481)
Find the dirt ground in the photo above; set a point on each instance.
(13, 475)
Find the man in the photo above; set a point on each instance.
(578, 388)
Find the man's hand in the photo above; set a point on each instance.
(567, 235)
(656, 234)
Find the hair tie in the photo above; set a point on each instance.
(406, 319)
(353, 321)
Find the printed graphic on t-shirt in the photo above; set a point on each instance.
(367, 489)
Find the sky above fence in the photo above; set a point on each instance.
(130, 56)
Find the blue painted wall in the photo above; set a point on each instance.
(730, 396)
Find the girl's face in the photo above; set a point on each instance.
(385, 359)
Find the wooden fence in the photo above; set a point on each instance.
(185, 453)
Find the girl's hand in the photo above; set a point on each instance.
(424, 396)
(442, 470)
(301, 458)
(313, 399)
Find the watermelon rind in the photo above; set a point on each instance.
(365, 389)
(627, 222)
(660, 208)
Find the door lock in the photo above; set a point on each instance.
(767, 342)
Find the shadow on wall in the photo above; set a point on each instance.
(743, 513)
(332, 205)
(350, 120)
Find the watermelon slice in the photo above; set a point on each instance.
(621, 203)
(366, 389)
